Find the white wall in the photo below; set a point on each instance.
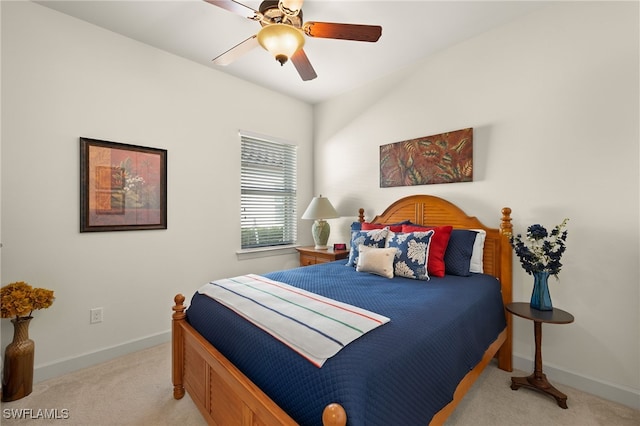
(63, 78)
(553, 100)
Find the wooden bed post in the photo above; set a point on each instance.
(334, 415)
(177, 354)
(505, 358)
(506, 228)
(361, 215)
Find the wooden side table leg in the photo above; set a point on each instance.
(541, 385)
(538, 380)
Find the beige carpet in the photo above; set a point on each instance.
(136, 390)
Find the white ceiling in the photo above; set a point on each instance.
(193, 29)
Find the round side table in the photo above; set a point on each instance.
(538, 380)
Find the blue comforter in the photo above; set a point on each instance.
(403, 372)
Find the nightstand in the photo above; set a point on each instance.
(538, 380)
(312, 256)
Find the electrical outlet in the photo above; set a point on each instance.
(95, 315)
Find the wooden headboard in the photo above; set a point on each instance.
(435, 211)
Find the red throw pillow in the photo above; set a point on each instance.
(437, 246)
(367, 226)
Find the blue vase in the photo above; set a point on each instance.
(540, 297)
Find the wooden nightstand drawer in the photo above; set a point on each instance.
(306, 260)
(312, 256)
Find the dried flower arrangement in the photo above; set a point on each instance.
(19, 300)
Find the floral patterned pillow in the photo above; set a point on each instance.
(412, 254)
(373, 238)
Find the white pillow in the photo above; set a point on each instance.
(375, 260)
(478, 249)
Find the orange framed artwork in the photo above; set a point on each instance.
(122, 187)
(443, 158)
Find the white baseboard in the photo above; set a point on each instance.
(58, 368)
(616, 393)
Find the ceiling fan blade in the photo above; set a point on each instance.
(304, 67)
(234, 6)
(343, 31)
(236, 51)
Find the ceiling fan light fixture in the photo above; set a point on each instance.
(281, 40)
(290, 7)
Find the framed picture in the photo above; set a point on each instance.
(122, 187)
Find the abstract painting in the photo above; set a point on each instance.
(443, 158)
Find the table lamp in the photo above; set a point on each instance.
(320, 209)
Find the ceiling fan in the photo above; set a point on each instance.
(282, 33)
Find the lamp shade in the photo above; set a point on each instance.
(281, 40)
(320, 208)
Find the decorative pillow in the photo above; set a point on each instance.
(478, 252)
(373, 238)
(375, 260)
(395, 227)
(437, 247)
(457, 257)
(412, 254)
(366, 226)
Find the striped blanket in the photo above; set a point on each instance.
(314, 326)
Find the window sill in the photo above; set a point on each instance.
(265, 252)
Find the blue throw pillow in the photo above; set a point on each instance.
(374, 238)
(457, 257)
(412, 253)
(357, 226)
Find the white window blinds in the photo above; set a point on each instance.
(268, 192)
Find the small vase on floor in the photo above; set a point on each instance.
(17, 374)
(540, 297)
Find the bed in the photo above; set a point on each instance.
(258, 381)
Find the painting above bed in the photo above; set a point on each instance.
(443, 158)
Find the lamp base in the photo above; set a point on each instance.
(320, 231)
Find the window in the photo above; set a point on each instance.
(268, 192)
